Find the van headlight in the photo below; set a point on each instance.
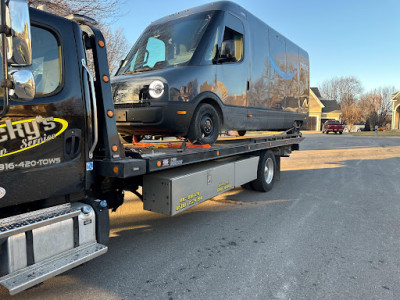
(156, 89)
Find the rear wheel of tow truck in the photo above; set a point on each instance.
(241, 132)
(247, 186)
(265, 172)
(205, 125)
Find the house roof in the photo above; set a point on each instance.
(330, 105)
(312, 95)
(395, 96)
(316, 92)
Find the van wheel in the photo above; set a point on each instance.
(205, 125)
(241, 132)
(265, 172)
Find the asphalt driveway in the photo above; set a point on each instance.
(330, 229)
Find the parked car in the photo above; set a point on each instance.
(333, 126)
(211, 68)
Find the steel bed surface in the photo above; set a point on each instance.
(162, 155)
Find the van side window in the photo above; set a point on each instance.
(231, 47)
(46, 61)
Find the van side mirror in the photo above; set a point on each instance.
(227, 53)
(216, 55)
(20, 40)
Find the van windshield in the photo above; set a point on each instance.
(167, 44)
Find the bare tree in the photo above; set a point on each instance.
(351, 111)
(346, 91)
(97, 9)
(104, 10)
(376, 106)
(340, 88)
(117, 47)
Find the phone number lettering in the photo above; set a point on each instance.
(30, 164)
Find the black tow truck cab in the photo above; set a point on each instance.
(63, 167)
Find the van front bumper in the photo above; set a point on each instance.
(172, 119)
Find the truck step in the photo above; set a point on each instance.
(31, 220)
(49, 268)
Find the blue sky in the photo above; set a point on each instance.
(358, 38)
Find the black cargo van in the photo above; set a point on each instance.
(210, 68)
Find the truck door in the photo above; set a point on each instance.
(42, 156)
(232, 72)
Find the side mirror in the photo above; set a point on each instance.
(227, 53)
(23, 85)
(20, 41)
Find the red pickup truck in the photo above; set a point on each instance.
(332, 126)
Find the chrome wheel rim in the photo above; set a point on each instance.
(269, 170)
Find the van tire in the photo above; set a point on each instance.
(241, 132)
(266, 172)
(205, 125)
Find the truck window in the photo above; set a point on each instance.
(232, 46)
(46, 61)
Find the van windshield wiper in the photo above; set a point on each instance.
(145, 68)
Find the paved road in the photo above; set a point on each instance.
(330, 229)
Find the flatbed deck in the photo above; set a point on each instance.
(161, 155)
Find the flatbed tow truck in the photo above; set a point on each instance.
(63, 167)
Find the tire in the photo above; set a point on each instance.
(205, 125)
(247, 186)
(265, 172)
(241, 132)
(340, 132)
(327, 132)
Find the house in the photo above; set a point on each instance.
(321, 110)
(396, 111)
